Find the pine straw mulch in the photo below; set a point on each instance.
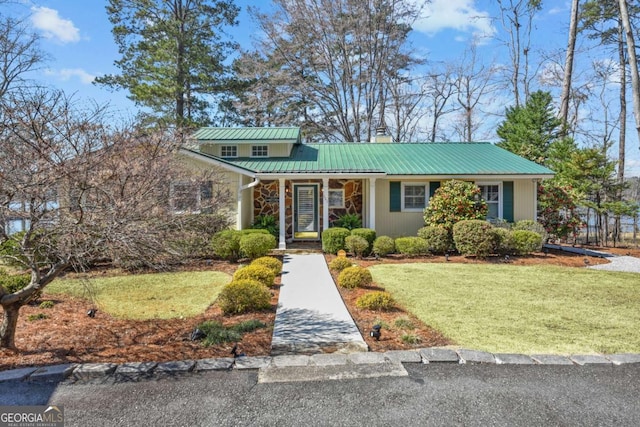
(68, 335)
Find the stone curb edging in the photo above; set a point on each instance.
(138, 370)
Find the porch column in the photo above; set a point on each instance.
(372, 203)
(282, 244)
(239, 204)
(325, 203)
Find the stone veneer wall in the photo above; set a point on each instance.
(265, 200)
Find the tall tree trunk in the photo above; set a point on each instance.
(633, 62)
(568, 67)
(8, 327)
(622, 140)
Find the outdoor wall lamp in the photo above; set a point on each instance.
(375, 332)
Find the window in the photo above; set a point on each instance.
(414, 196)
(229, 151)
(191, 197)
(259, 151)
(491, 195)
(336, 198)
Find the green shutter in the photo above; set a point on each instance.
(507, 201)
(395, 196)
(433, 186)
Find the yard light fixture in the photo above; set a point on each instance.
(446, 256)
(375, 332)
(92, 312)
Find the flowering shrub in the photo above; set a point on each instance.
(557, 210)
(455, 201)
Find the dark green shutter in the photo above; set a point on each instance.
(433, 186)
(395, 196)
(507, 202)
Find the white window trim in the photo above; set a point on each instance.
(414, 184)
(260, 146)
(235, 147)
(335, 190)
(500, 195)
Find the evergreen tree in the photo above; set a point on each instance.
(173, 55)
(530, 130)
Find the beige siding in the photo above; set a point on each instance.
(523, 199)
(244, 150)
(394, 224)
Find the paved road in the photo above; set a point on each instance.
(435, 394)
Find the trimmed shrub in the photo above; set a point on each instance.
(14, 282)
(339, 264)
(528, 224)
(503, 241)
(384, 245)
(377, 301)
(455, 201)
(273, 264)
(474, 237)
(242, 296)
(526, 242)
(438, 239)
(255, 272)
(256, 245)
(354, 276)
(412, 246)
(348, 221)
(226, 244)
(356, 245)
(333, 239)
(368, 234)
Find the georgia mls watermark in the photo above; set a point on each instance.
(32, 416)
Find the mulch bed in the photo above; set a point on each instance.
(68, 335)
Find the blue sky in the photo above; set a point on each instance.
(77, 36)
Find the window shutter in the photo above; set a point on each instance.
(507, 201)
(395, 196)
(433, 186)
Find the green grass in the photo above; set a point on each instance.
(523, 309)
(148, 296)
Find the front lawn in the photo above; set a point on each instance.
(148, 296)
(523, 309)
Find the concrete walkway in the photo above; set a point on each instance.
(311, 316)
(626, 264)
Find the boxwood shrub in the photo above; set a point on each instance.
(256, 245)
(242, 296)
(354, 277)
(412, 246)
(526, 242)
(474, 238)
(378, 300)
(356, 245)
(333, 239)
(256, 272)
(368, 234)
(438, 239)
(340, 263)
(272, 263)
(384, 245)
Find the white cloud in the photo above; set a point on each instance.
(461, 15)
(67, 74)
(53, 26)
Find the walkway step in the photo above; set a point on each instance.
(311, 317)
(274, 374)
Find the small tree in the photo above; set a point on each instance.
(84, 191)
(455, 201)
(557, 210)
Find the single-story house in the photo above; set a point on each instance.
(308, 186)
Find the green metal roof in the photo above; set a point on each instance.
(476, 158)
(239, 135)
